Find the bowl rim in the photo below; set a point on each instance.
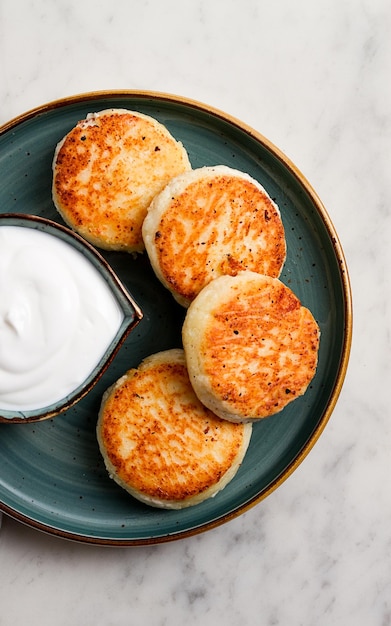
(131, 316)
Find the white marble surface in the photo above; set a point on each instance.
(314, 77)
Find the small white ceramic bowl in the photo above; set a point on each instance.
(132, 314)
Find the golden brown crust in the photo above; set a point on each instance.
(251, 347)
(209, 222)
(160, 443)
(106, 171)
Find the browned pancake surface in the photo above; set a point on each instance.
(210, 222)
(106, 172)
(159, 441)
(251, 347)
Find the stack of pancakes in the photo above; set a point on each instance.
(175, 430)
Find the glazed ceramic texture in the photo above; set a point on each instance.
(131, 314)
(52, 475)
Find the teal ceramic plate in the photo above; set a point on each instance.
(51, 474)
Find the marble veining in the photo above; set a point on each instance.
(314, 79)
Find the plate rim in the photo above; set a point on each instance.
(347, 307)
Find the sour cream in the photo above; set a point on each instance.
(57, 318)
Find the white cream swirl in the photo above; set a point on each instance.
(57, 318)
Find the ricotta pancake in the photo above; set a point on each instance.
(251, 347)
(160, 443)
(210, 222)
(106, 171)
